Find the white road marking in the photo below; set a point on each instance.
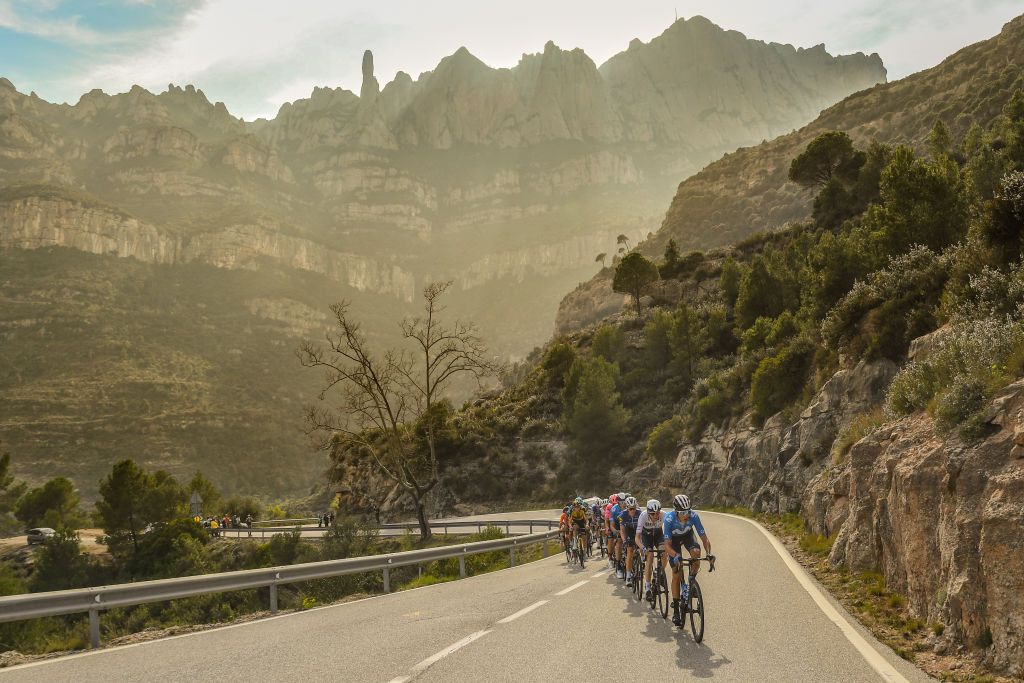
(400, 679)
(879, 663)
(525, 610)
(433, 659)
(572, 587)
(600, 573)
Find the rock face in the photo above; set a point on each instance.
(942, 520)
(769, 467)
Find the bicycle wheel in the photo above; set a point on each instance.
(568, 552)
(696, 612)
(662, 598)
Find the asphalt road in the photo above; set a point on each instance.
(539, 621)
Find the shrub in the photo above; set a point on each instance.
(663, 441)
(779, 379)
(972, 362)
(880, 315)
(859, 427)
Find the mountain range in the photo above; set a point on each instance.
(161, 257)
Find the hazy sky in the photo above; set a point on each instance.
(256, 54)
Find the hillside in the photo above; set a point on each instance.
(861, 376)
(507, 180)
(747, 191)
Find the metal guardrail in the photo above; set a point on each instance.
(95, 600)
(444, 527)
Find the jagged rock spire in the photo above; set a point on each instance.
(370, 89)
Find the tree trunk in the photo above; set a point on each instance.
(421, 516)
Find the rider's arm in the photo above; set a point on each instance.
(700, 532)
(707, 544)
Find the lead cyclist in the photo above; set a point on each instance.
(678, 531)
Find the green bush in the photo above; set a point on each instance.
(780, 379)
(663, 441)
(973, 361)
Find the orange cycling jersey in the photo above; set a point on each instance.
(564, 519)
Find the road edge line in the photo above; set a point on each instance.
(874, 658)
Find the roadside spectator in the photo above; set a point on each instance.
(248, 524)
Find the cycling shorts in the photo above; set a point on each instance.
(689, 540)
(630, 540)
(651, 538)
(580, 524)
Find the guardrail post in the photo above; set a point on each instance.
(544, 545)
(273, 598)
(479, 527)
(508, 528)
(512, 555)
(462, 565)
(387, 579)
(94, 628)
(531, 527)
(445, 529)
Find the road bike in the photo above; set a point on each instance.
(578, 551)
(639, 560)
(602, 542)
(567, 547)
(659, 599)
(695, 602)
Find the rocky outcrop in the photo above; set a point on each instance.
(769, 467)
(33, 223)
(942, 520)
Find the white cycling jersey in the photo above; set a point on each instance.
(649, 523)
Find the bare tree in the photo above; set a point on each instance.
(379, 399)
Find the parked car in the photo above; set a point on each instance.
(39, 535)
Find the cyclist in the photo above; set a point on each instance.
(596, 518)
(649, 535)
(614, 518)
(628, 521)
(612, 499)
(578, 519)
(678, 529)
(563, 525)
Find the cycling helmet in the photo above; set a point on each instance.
(681, 503)
(653, 506)
(614, 499)
(578, 501)
(631, 503)
(565, 509)
(623, 496)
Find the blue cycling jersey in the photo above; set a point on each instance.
(615, 515)
(681, 522)
(629, 522)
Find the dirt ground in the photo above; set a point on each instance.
(89, 538)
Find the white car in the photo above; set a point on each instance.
(39, 535)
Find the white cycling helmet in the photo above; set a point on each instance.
(631, 503)
(653, 506)
(681, 503)
(623, 496)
